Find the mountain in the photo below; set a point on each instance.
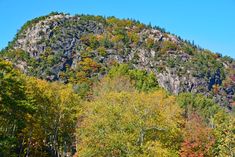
(93, 86)
(83, 48)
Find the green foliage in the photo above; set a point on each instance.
(168, 46)
(118, 70)
(143, 81)
(17, 55)
(224, 132)
(35, 114)
(92, 18)
(102, 51)
(14, 107)
(91, 40)
(197, 103)
(206, 63)
(188, 49)
(82, 88)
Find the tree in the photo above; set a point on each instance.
(116, 84)
(224, 132)
(119, 123)
(14, 108)
(197, 103)
(37, 118)
(51, 129)
(214, 118)
(198, 138)
(142, 80)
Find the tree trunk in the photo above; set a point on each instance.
(21, 147)
(29, 143)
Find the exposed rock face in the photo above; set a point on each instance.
(62, 41)
(170, 82)
(36, 39)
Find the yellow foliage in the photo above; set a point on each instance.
(121, 124)
(57, 106)
(134, 37)
(149, 43)
(89, 65)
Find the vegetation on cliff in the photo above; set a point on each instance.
(93, 86)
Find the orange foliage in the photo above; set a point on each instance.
(89, 65)
(216, 89)
(198, 138)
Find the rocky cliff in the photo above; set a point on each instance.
(70, 48)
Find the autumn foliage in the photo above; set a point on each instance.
(198, 138)
(126, 114)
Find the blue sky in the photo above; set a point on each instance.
(210, 23)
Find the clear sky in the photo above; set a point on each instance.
(210, 23)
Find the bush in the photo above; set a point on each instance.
(102, 51)
(168, 46)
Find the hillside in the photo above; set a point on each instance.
(71, 48)
(93, 86)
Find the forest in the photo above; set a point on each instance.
(93, 86)
(125, 114)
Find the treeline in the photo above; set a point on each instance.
(125, 114)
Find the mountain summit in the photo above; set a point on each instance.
(81, 47)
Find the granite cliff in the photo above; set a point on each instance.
(71, 48)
